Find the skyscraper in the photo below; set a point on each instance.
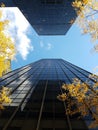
(34, 93)
(47, 17)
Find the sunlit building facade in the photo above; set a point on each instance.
(34, 93)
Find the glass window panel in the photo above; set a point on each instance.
(14, 104)
(21, 95)
(17, 91)
(26, 88)
(13, 95)
(17, 100)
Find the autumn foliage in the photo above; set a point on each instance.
(87, 12)
(7, 53)
(7, 47)
(84, 97)
(4, 98)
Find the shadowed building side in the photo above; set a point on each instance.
(34, 93)
(47, 17)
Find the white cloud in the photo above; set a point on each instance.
(49, 46)
(18, 29)
(41, 44)
(24, 47)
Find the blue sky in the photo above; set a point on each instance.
(73, 47)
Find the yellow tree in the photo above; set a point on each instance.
(87, 12)
(7, 52)
(7, 47)
(83, 97)
(4, 98)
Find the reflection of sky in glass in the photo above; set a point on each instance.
(23, 90)
(23, 81)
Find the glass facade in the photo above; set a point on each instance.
(34, 93)
(47, 17)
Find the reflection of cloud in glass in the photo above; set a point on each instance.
(20, 93)
(23, 86)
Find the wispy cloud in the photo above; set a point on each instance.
(24, 47)
(18, 29)
(49, 46)
(41, 44)
(46, 46)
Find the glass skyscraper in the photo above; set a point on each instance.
(34, 90)
(47, 17)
